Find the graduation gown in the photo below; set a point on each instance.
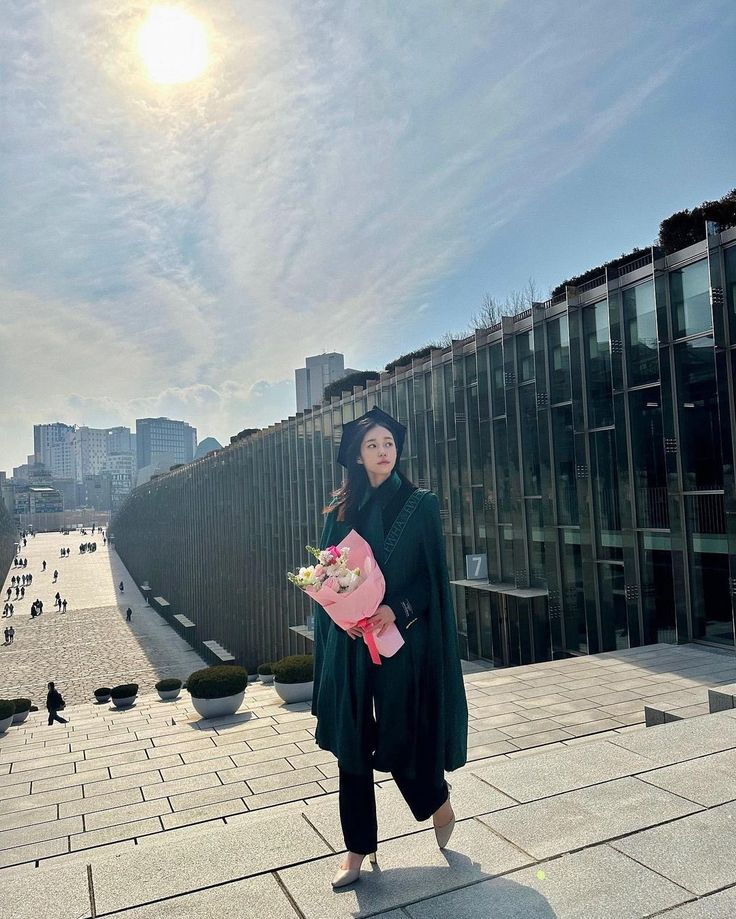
(421, 723)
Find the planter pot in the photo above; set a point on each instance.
(103, 699)
(294, 692)
(123, 703)
(215, 708)
(20, 717)
(266, 678)
(252, 677)
(167, 694)
(5, 724)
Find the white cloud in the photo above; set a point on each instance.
(170, 246)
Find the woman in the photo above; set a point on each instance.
(409, 715)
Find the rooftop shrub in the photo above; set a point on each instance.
(217, 682)
(297, 668)
(124, 690)
(359, 378)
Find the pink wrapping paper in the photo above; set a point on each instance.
(354, 610)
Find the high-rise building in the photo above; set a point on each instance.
(122, 470)
(90, 450)
(53, 445)
(312, 379)
(120, 440)
(163, 442)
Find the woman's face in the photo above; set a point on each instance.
(378, 454)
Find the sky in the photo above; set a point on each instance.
(341, 176)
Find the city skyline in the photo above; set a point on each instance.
(350, 180)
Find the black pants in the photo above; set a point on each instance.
(55, 716)
(358, 806)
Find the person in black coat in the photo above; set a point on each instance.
(54, 704)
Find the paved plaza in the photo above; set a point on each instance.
(568, 806)
(91, 644)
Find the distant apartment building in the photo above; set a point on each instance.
(90, 450)
(121, 467)
(120, 440)
(312, 379)
(54, 446)
(164, 442)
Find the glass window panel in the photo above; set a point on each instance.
(529, 440)
(730, 261)
(640, 328)
(525, 357)
(604, 477)
(506, 544)
(697, 400)
(558, 349)
(598, 365)
(573, 597)
(498, 392)
(535, 538)
(690, 299)
(614, 623)
(647, 450)
(657, 588)
(503, 471)
(708, 546)
(564, 465)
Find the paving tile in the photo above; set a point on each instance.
(28, 817)
(546, 737)
(191, 783)
(563, 823)
(146, 765)
(67, 781)
(59, 893)
(707, 781)
(40, 832)
(213, 795)
(100, 802)
(210, 765)
(29, 802)
(104, 835)
(409, 869)
(124, 781)
(268, 768)
(696, 852)
(113, 761)
(561, 769)
(295, 737)
(161, 870)
(127, 813)
(49, 773)
(489, 750)
(271, 754)
(593, 727)
(38, 764)
(33, 851)
(681, 740)
(720, 905)
(585, 885)
(262, 895)
(283, 795)
(204, 813)
(537, 726)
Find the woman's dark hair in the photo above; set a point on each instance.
(347, 497)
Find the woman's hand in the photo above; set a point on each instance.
(380, 621)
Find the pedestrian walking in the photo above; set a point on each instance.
(7, 635)
(12, 609)
(63, 603)
(122, 587)
(39, 604)
(128, 614)
(11, 633)
(43, 565)
(8, 592)
(55, 704)
(420, 725)
(22, 592)
(56, 575)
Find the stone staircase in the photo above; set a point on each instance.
(153, 813)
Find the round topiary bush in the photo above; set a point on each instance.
(217, 682)
(168, 685)
(7, 709)
(124, 691)
(21, 705)
(103, 691)
(265, 670)
(297, 668)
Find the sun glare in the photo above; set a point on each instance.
(173, 45)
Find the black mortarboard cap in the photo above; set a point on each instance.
(350, 431)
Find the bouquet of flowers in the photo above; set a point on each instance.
(349, 596)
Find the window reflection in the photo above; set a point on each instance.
(558, 349)
(708, 546)
(598, 365)
(647, 449)
(613, 606)
(604, 476)
(573, 598)
(697, 398)
(525, 357)
(730, 262)
(535, 538)
(657, 588)
(498, 393)
(690, 300)
(529, 440)
(564, 465)
(640, 325)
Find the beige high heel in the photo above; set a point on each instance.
(443, 833)
(347, 876)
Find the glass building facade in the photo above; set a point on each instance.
(584, 447)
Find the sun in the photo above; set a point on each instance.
(173, 45)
